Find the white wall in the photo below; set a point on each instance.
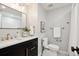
(32, 16)
(41, 17)
(78, 25)
(59, 17)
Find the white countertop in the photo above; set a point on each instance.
(10, 42)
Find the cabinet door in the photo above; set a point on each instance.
(33, 51)
(18, 51)
(33, 47)
(4, 53)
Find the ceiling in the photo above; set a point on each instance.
(46, 6)
(51, 6)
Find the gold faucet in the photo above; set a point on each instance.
(7, 38)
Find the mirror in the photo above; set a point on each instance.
(10, 18)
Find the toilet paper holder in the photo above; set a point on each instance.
(75, 49)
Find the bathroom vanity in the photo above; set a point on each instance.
(22, 47)
(17, 45)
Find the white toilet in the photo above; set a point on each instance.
(49, 49)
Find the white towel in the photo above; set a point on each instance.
(57, 32)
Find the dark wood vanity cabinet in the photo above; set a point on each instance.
(28, 48)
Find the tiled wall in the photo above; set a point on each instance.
(12, 32)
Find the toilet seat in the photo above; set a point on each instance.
(53, 47)
(49, 49)
(49, 53)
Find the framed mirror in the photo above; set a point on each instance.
(10, 18)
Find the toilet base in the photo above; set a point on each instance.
(49, 53)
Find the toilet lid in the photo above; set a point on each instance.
(53, 47)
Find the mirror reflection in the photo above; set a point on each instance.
(10, 18)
